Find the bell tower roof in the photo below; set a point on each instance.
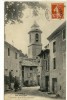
(35, 45)
(35, 25)
(35, 28)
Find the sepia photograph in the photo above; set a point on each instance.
(35, 50)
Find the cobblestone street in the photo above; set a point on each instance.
(31, 93)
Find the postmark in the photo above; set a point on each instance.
(57, 10)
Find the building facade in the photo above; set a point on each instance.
(29, 72)
(53, 63)
(12, 66)
(45, 70)
(30, 68)
(57, 45)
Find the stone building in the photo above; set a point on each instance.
(53, 63)
(12, 68)
(35, 45)
(29, 72)
(45, 70)
(57, 45)
(30, 68)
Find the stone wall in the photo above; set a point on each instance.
(11, 64)
(59, 72)
(30, 75)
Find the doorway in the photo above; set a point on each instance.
(46, 83)
(54, 85)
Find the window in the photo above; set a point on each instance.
(12, 72)
(8, 52)
(23, 68)
(23, 72)
(30, 37)
(60, 87)
(64, 60)
(36, 57)
(38, 61)
(15, 55)
(16, 70)
(64, 34)
(47, 67)
(46, 64)
(54, 63)
(31, 68)
(37, 36)
(54, 46)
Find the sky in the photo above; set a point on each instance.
(17, 34)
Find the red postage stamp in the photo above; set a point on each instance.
(57, 10)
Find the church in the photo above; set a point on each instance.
(29, 65)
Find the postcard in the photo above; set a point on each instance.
(35, 50)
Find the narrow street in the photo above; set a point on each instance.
(31, 93)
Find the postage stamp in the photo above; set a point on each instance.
(57, 10)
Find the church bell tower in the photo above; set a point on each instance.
(35, 45)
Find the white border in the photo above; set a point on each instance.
(2, 41)
(1, 50)
(35, 0)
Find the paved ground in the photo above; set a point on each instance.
(30, 93)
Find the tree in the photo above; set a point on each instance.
(14, 10)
